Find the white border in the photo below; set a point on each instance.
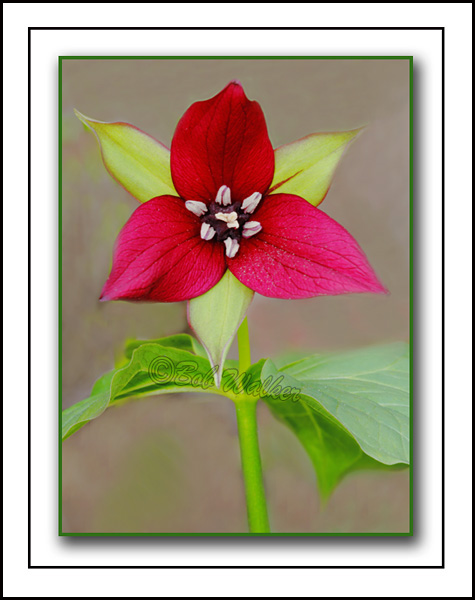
(47, 548)
(297, 42)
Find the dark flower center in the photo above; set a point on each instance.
(227, 221)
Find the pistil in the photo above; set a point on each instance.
(230, 218)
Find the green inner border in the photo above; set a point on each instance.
(411, 346)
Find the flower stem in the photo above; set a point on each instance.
(244, 347)
(249, 445)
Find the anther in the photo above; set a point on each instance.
(196, 207)
(232, 247)
(223, 196)
(251, 228)
(250, 203)
(207, 232)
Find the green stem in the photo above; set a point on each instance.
(244, 347)
(249, 445)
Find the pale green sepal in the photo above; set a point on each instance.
(306, 167)
(136, 160)
(216, 316)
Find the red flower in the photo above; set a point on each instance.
(279, 245)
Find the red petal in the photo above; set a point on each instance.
(160, 257)
(222, 141)
(301, 252)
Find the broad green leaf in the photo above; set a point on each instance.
(103, 384)
(367, 391)
(215, 318)
(352, 412)
(153, 369)
(288, 358)
(165, 369)
(306, 167)
(332, 450)
(182, 341)
(77, 415)
(136, 160)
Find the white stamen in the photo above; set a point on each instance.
(223, 196)
(196, 207)
(229, 218)
(250, 203)
(232, 247)
(207, 232)
(251, 228)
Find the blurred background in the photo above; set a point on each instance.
(171, 463)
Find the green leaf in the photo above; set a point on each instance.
(153, 369)
(289, 357)
(367, 391)
(136, 160)
(352, 411)
(79, 414)
(331, 449)
(215, 318)
(306, 167)
(182, 341)
(103, 384)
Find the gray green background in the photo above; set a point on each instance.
(171, 464)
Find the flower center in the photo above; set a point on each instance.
(227, 221)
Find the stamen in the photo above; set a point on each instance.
(223, 196)
(251, 228)
(196, 207)
(232, 247)
(229, 218)
(207, 232)
(250, 203)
